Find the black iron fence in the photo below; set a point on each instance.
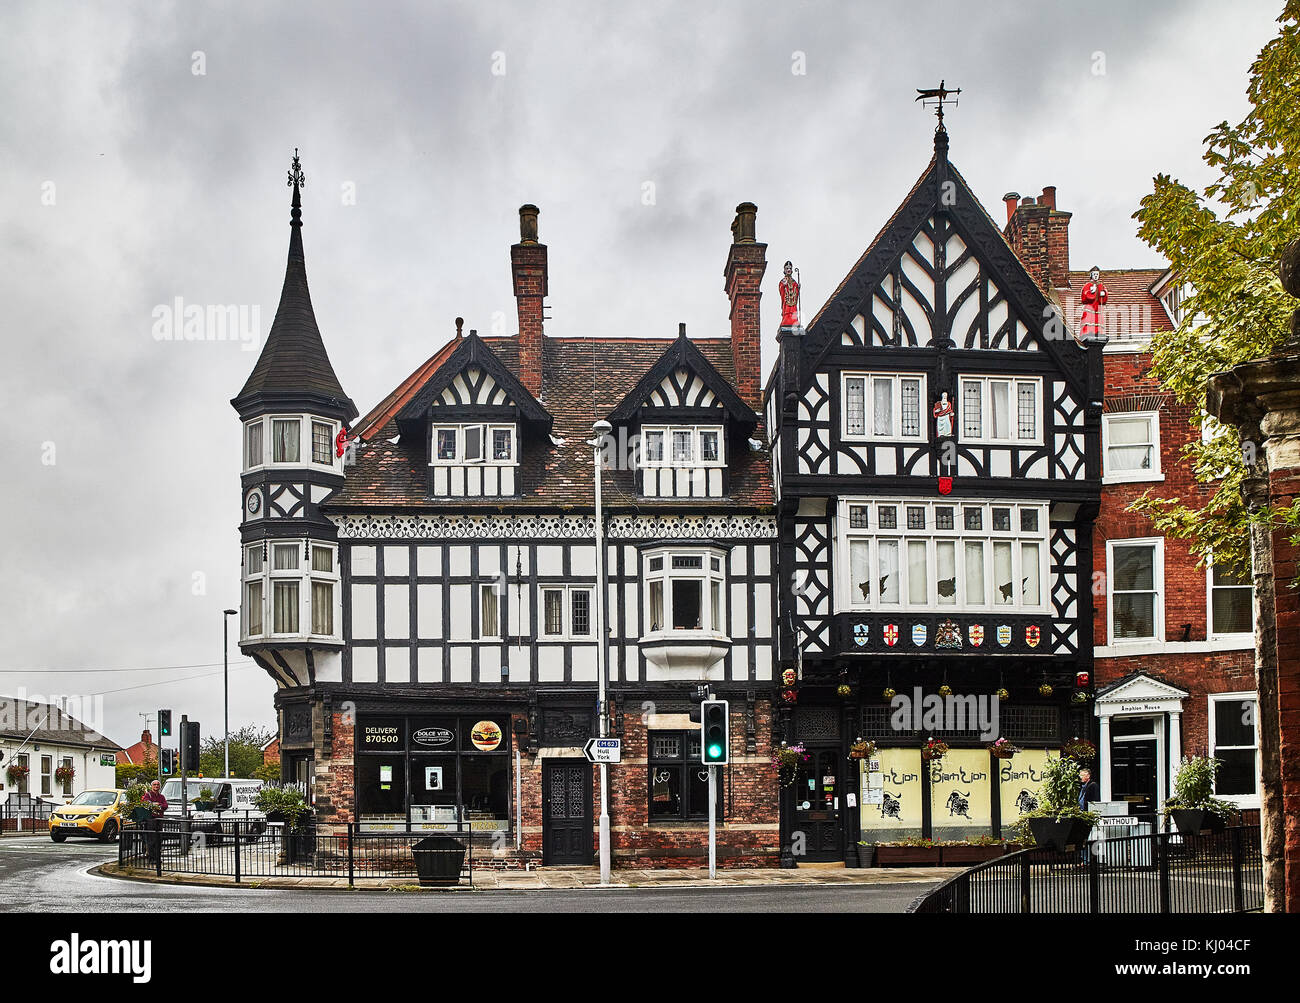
(1156, 873)
(252, 851)
(25, 813)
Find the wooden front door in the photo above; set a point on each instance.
(566, 811)
(818, 802)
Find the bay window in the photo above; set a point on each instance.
(253, 444)
(322, 443)
(289, 573)
(285, 436)
(901, 554)
(684, 591)
(284, 439)
(473, 443)
(997, 409)
(883, 406)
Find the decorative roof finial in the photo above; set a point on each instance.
(297, 181)
(935, 97)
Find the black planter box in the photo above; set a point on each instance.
(1193, 821)
(438, 860)
(866, 855)
(1059, 835)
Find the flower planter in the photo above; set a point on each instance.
(438, 860)
(866, 855)
(1052, 834)
(907, 856)
(964, 856)
(1193, 821)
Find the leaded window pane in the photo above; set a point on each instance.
(911, 414)
(855, 406)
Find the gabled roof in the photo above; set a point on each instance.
(1136, 310)
(584, 379)
(939, 191)
(683, 354)
(1139, 685)
(294, 366)
(472, 351)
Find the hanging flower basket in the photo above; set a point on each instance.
(1078, 697)
(844, 690)
(1045, 690)
(934, 750)
(945, 690)
(64, 774)
(16, 773)
(1002, 749)
(1080, 749)
(786, 759)
(889, 693)
(1003, 694)
(862, 749)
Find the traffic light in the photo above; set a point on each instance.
(164, 724)
(190, 746)
(714, 744)
(168, 762)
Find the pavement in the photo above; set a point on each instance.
(553, 878)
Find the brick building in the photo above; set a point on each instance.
(1173, 642)
(421, 583)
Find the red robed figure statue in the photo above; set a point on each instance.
(1093, 297)
(789, 298)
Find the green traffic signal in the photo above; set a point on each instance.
(713, 733)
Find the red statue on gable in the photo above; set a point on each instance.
(789, 298)
(1093, 297)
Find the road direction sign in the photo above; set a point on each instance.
(603, 750)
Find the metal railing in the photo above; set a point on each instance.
(1154, 873)
(26, 815)
(245, 850)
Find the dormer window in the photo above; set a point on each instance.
(688, 445)
(475, 443)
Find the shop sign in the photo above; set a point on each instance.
(433, 738)
(107, 759)
(381, 737)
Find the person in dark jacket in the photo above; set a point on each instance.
(1088, 791)
(157, 804)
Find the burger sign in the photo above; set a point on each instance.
(486, 736)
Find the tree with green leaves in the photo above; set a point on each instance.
(1226, 241)
(245, 752)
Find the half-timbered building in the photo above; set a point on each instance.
(427, 601)
(936, 436)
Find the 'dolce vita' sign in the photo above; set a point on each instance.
(433, 738)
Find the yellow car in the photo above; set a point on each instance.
(99, 812)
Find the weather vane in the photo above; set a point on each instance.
(935, 97)
(296, 177)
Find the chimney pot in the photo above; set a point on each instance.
(528, 224)
(681, 330)
(742, 228)
(1011, 199)
(1049, 197)
(1028, 200)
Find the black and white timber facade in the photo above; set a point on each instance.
(935, 435)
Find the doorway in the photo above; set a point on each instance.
(818, 798)
(566, 811)
(1134, 761)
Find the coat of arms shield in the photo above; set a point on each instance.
(918, 634)
(976, 634)
(1032, 636)
(891, 634)
(860, 634)
(1004, 634)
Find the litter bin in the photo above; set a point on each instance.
(438, 860)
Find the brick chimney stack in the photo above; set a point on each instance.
(743, 275)
(528, 268)
(1039, 233)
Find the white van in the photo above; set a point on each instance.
(232, 800)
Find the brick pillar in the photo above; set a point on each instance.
(1039, 233)
(743, 275)
(529, 271)
(1262, 398)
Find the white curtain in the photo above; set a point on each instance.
(887, 562)
(882, 395)
(975, 574)
(1005, 592)
(285, 595)
(918, 585)
(1130, 444)
(860, 572)
(1031, 590)
(945, 557)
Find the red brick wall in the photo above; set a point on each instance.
(1284, 489)
(746, 264)
(529, 268)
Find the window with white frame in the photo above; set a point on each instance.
(1234, 742)
(909, 554)
(566, 612)
(1232, 609)
(1135, 586)
(282, 437)
(685, 590)
(489, 612)
(280, 576)
(999, 409)
(1131, 446)
(473, 443)
(682, 446)
(47, 774)
(883, 406)
(67, 776)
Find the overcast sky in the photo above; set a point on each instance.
(143, 151)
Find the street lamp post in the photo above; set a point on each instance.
(601, 430)
(226, 614)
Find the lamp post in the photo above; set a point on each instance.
(226, 614)
(601, 430)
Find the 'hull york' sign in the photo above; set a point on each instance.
(603, 750)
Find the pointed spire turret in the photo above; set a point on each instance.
(294, 371)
